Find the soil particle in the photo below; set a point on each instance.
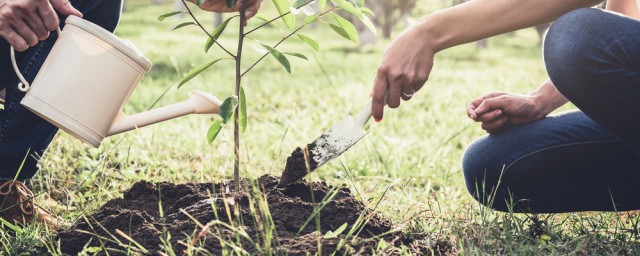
(206, 215)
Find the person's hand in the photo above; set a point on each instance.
(24, 23)
(404, 69)
(498, 110)
(221, 6)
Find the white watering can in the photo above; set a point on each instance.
(86, 80)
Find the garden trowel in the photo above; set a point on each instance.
(328, 146)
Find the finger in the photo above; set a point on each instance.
(26, 33)
(407, 93)
(36, 25)
(252, 10)
(65, 8)
(489, 105)
(377, 99)
(48, 16)
(395, 90)
(490, 116)
(15, 39)
(471, 114)
(496, 125)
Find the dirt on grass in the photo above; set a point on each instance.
(304, 218)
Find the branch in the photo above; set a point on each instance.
(205, 30)
(274, 19)
(283, 39)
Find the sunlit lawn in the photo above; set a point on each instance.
(415, 151)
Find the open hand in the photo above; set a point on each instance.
(498, 110)
(221, 6)
(24, 23)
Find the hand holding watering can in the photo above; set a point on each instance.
(100, 71)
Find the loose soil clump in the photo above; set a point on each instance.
(299, 164)
(209, 216)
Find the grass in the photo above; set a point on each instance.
(412, 157)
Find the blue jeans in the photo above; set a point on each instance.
(23, 135)
(583, 160)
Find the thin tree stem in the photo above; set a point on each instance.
(282, 40)
(205, 30)
(236, 117)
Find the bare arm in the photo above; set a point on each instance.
(478, 19)
(407, 62)
(626, 7)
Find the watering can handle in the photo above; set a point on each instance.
(23, 85)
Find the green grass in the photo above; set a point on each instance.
(416, 150)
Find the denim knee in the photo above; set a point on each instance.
(568, 41)
(480, 169)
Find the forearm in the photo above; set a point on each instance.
(625, 7)
(548, 98)
(478, 19)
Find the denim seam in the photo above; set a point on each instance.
(11, 108)
(557, 146)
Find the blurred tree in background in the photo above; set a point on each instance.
(389, 13)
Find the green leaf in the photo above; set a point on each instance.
(338, 231)
(310, 42)
(199, 2)
(300, 3)
(344, 5)
(242, 110)
(196, 71)
(295, 54)
(167, 15)
(280, 57)
(266, 19)
(216, 34)
(227, 108)
(366, 10)
(231, 3)
(359, 3)
(367, 22)
(322, 4)
(345, 28)
(283, 8)
(214, 130)
(184, 24)
(310, 19)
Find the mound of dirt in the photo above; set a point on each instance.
(152, 218)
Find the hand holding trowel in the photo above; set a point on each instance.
(328, 146)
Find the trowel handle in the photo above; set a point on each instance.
(365, 113)
(23, 85)
(364, 116)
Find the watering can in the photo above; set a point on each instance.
(86, 80)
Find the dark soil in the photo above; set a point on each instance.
(138, 217)
(299, 164)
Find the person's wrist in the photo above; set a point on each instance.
(429, 33)
(541, 106)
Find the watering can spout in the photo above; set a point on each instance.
(198, 103)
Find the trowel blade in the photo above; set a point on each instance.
(325, 148)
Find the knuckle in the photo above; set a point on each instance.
(52, 25)
(383, 69)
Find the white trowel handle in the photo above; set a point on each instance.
(364, 116)
(365, 113)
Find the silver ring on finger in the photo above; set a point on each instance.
(408, 95)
